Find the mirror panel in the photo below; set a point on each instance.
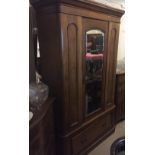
(94, 70)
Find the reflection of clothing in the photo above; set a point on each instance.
(90, 56)
(94, 65)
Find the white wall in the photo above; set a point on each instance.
(121, 44)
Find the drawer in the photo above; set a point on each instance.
(91, 134)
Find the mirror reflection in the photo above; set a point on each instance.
(94, 69)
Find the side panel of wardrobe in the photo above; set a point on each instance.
(113, 37)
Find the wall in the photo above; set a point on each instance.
(121, 44)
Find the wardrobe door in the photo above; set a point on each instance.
(111, 63)
(94, 65)
(71, 36)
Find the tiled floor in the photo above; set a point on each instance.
(104, 147)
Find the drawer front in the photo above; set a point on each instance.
(90, 134)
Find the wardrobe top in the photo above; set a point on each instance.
(85, 4)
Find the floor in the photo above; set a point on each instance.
(104, 147)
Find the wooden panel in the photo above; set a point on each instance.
(77, 12)
(111, 63)
(65, 143)
(51, 62)
(73, 74)
(82, 4)
(87, 13)
(90, 134)
(71, 46)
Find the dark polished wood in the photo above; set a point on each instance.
(120, 97)
(111, 63)
(62, 31)
(87, 136)
(86, 4)
(41, 130)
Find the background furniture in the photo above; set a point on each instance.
(32, 24)
(120, 97)
(84, 110)
(41, 125)
(41, 130)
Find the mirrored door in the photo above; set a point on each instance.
(94, 59)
